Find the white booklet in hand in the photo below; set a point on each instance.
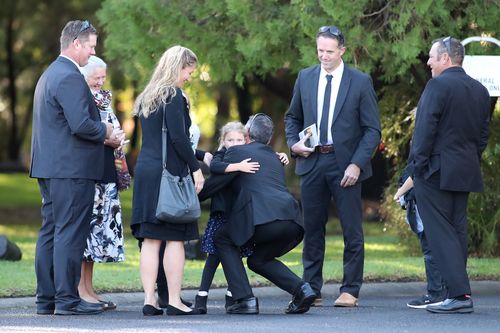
(313, 140)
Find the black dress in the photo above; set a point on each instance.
(148, 170)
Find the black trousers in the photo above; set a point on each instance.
(66, 212)
(271, 240)
(317, 189)
(444, 214)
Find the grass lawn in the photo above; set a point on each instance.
(385, 260)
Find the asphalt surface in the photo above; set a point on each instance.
(382, 308)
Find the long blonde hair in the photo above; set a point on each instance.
(164, 79)
(229, 127)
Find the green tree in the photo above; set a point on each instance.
(29, 35)
(255, 48)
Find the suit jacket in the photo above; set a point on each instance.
(451, 131)
(356, 123)
(257, 198)
(68, 135)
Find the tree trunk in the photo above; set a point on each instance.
(13, 147)
(244, 102)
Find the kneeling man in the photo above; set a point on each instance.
(264, 213)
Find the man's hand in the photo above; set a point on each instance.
(351, 175)
(116, 140)
(301, 149)
(199, 180)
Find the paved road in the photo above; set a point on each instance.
(382, 309)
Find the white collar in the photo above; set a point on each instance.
(77, 66)
(336, 73)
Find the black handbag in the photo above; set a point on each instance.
(177, 200)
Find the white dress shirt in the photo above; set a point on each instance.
(337, 77)
(78, 66)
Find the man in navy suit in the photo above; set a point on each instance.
(264, 213)
(451, 132)
(67, 158)
(341, 103)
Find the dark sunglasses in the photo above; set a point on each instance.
(85, 25)
(447, 44)
(334, 31)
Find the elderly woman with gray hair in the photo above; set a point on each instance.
(105, 241)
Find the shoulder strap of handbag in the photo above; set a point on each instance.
(164, 141)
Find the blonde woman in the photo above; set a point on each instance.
(163, 97)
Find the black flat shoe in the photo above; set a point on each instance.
(107, 305)
(200, 304)
(164, 305)
(229, 301)
(173, 311)
(149, 310)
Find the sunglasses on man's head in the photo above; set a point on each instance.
(334, 31)
(255, 116)
(447, 44)
(85, 25)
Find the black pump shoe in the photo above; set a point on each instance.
(200, 303)
(173, 311)
(149, 310)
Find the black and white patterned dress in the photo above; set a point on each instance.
(105, 241)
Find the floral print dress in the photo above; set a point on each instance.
(105, 241)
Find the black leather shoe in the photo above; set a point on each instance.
(149, 310)
(83, 308)
(302, 300)
(163, 304)
(200, 304)
(173, 311)
(244, 306)
(452, 305)
(45, 310)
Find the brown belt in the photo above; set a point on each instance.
(326, 149)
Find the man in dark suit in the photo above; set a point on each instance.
(341, 103)
(451, 132)
(265, 214)
(67, 157)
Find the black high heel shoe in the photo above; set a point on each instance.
(173, 311)
(149, 310)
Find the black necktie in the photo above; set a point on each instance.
(323, 127)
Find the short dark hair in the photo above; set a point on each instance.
(453, 47)
(76, 29)
(260, 128)
(331, 31)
